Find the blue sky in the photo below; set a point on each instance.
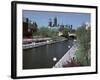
(42, 17)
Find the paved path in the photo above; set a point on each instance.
(32, 45)
(67, 57)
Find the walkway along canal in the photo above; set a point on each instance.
(45, 56)
(67, 57)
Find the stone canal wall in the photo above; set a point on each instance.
(67, 57)
(32, 45)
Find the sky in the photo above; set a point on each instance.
(69, 18)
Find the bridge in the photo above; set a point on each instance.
(72, 35)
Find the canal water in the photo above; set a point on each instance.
(45, 56)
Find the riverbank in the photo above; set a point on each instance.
(67, 57)
(32, 45)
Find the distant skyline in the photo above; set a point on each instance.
(69, 18)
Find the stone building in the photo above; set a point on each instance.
(27, 28)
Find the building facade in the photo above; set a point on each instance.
(27, 29)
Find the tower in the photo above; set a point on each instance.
(71, 27)
(50, 22)
(55, 21)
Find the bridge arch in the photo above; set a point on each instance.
(72, 36)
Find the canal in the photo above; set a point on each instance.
(45, 56)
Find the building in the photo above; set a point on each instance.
(55, 22)
(50, 22)
(54, 25)
(61, 29)
(27, 28)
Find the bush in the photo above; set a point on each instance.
(82, 57)
(83, 38)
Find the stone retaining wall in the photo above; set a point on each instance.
(67, 57)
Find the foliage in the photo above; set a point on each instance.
(46, 32)
(83, 37)
(73, 31)
(82, 57)
(52, 33)
(65, 32)
(43, 32)
(34, 28)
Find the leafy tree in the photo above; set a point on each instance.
(65, 32)
(83, 37)
(35, 27)
(43, 31)
(52, 33)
